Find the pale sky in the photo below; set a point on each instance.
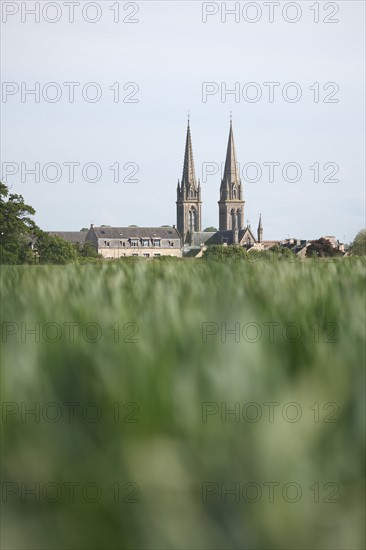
(169, 53)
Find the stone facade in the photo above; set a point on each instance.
(146, 242)
(232, 229)
(189, 203)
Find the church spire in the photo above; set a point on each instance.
(189, 176)
(231, 166)
(188, 196)
(260, 226)
(231, 203)
(260, 229)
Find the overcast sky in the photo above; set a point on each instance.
(163, 60)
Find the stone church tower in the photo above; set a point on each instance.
(231, 203)
(188, 196)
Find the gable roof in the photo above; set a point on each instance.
(70, 236)
(220, 237)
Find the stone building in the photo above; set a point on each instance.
(231, 206)
(147, 242)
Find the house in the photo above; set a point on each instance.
(147, 242)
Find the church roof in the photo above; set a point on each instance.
(220, 237)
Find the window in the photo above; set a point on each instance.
(145, 243)
(134, 242)
(107, 243)
(171, 243)
(135, 254)
(156, 255)
(146, 255)
(156, 243)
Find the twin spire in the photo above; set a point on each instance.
(231, 203)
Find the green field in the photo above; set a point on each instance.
(160, 379)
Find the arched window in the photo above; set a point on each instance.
(234, 192)
(238, 218)
(192, 220)
(233, 219)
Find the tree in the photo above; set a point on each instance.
(358, 247)
(321, 248)
(210, 229)
(222, 253)
(16, 226)
(84, 230)
(86, 250)
(283, 253)
(54, 250)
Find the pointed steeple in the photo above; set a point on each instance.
(189, 175)
(188, 195)
(231, 203)
(260, 229)
(231, 166)
(260, 226)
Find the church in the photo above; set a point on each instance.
(186, 238)
(231, 205)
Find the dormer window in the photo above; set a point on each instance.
(134, 242)
(145, 243)
(156, 243)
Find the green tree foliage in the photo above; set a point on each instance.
(54, 250)
(219, 253)
(86, 250)
(210, 229)
(321, 248)
(16, 227)
(358, 247)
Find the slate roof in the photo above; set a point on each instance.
(218, 237)
(136, 232)
(70, 236)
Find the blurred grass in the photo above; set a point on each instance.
(169, 373)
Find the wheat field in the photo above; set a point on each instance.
(183, 405)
